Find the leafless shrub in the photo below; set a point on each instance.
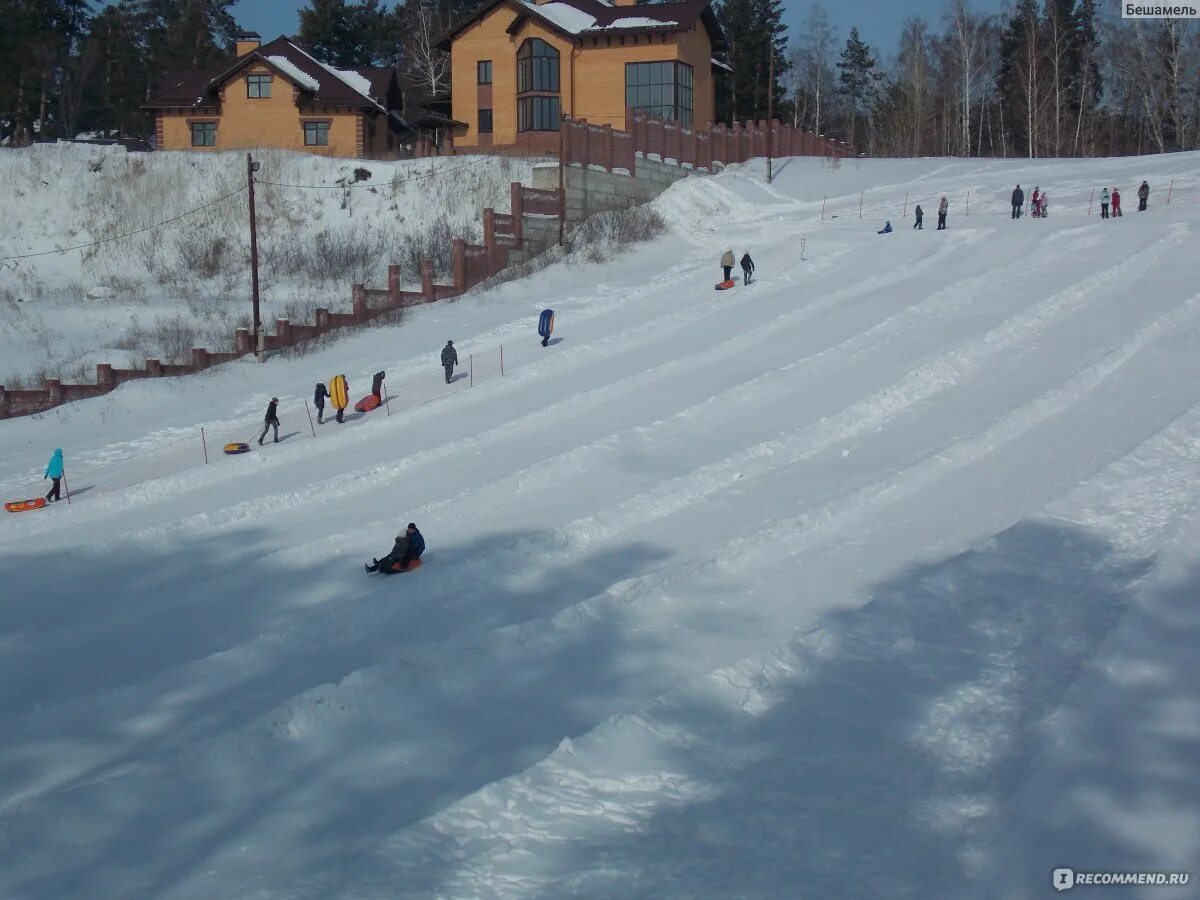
(205, 255)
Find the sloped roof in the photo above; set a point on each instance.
(594, 18)
(318, 83)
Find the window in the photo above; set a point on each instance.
(258, 87)
(661, 89)
(537, 113)
(204, 134)
(316, 134)
(485, 121)
(537, 67)
(483, 71)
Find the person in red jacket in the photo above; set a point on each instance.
(1116, 202)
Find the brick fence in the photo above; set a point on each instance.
(606, 148)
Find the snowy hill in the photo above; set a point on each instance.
(876, 578)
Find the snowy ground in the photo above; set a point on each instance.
(874, 579)
(319, 230)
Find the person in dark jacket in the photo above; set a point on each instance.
(408, 547)
(886, 229)
(319, 395)
(1143, 196)
(449, 359)
(943, 208)
(54, 471)
(270, 420)
(747, 268)
(377, 385)
(1018, 201)
(920, 215)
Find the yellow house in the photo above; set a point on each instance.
(517, 66)
(277, 95)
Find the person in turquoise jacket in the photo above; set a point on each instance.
(54, 470)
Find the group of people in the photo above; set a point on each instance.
(747, 266)
(919, 222)
(1108, 200)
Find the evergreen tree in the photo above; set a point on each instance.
(116, 88)
(350, 35)
(752, 28)
(858, 80)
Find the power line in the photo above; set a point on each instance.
(128, 234)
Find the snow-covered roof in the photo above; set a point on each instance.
(360, 83)
(289, 68)
(568, 18)
(633, 22)
(722, 65)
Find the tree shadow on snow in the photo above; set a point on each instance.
(889, 753)
(164, 705)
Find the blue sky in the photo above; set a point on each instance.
(878, 21)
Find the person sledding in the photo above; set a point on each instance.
(886, 229)
(747, 268)
(407, 549)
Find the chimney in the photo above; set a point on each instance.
(248, 42)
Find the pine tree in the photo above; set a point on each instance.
(858, 80)
(752, 27)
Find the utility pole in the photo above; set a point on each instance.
(770, 109)
(562, 194)
(251, 168)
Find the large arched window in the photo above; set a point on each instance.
(537, 86)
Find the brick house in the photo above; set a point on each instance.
(517, 66)
(277, 95)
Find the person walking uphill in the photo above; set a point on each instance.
(747, 268)
(943, 208)
(319, 395)
(54, 471)
(377, 385)
(1018, 201)
(920, 216)
(1104, 204)
(727, 263)
(270, 420)
(1143, 196)
(1116, 202)
(449, 359)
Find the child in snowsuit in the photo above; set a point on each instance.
(54, 471)
(943, 208)
(270, 420)
(1143, 196)
(1116, 202)
(920, 215)
(449, 359)
(1104, 203)
(747, 268)
(408, 546)
(319, 395)
(886, 229)
(1034, 200)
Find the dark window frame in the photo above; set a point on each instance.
(208, 128)
(538, 65)
(661, 88)
(538, 112)
(315, 126)
(259, 80)
(482, 129)
(483, 71)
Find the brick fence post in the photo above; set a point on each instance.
(489, 238)
(200, 360)
(358, 302)
(3, 402)
(154, 368)
(322, 314)
(241, 342)
(460, 264)
(283, 334)
(393, 285)
(54, 387)
(608, 148)
(104, 376)
(517, 202)
(427, 292)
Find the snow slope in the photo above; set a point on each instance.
(874, 579)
